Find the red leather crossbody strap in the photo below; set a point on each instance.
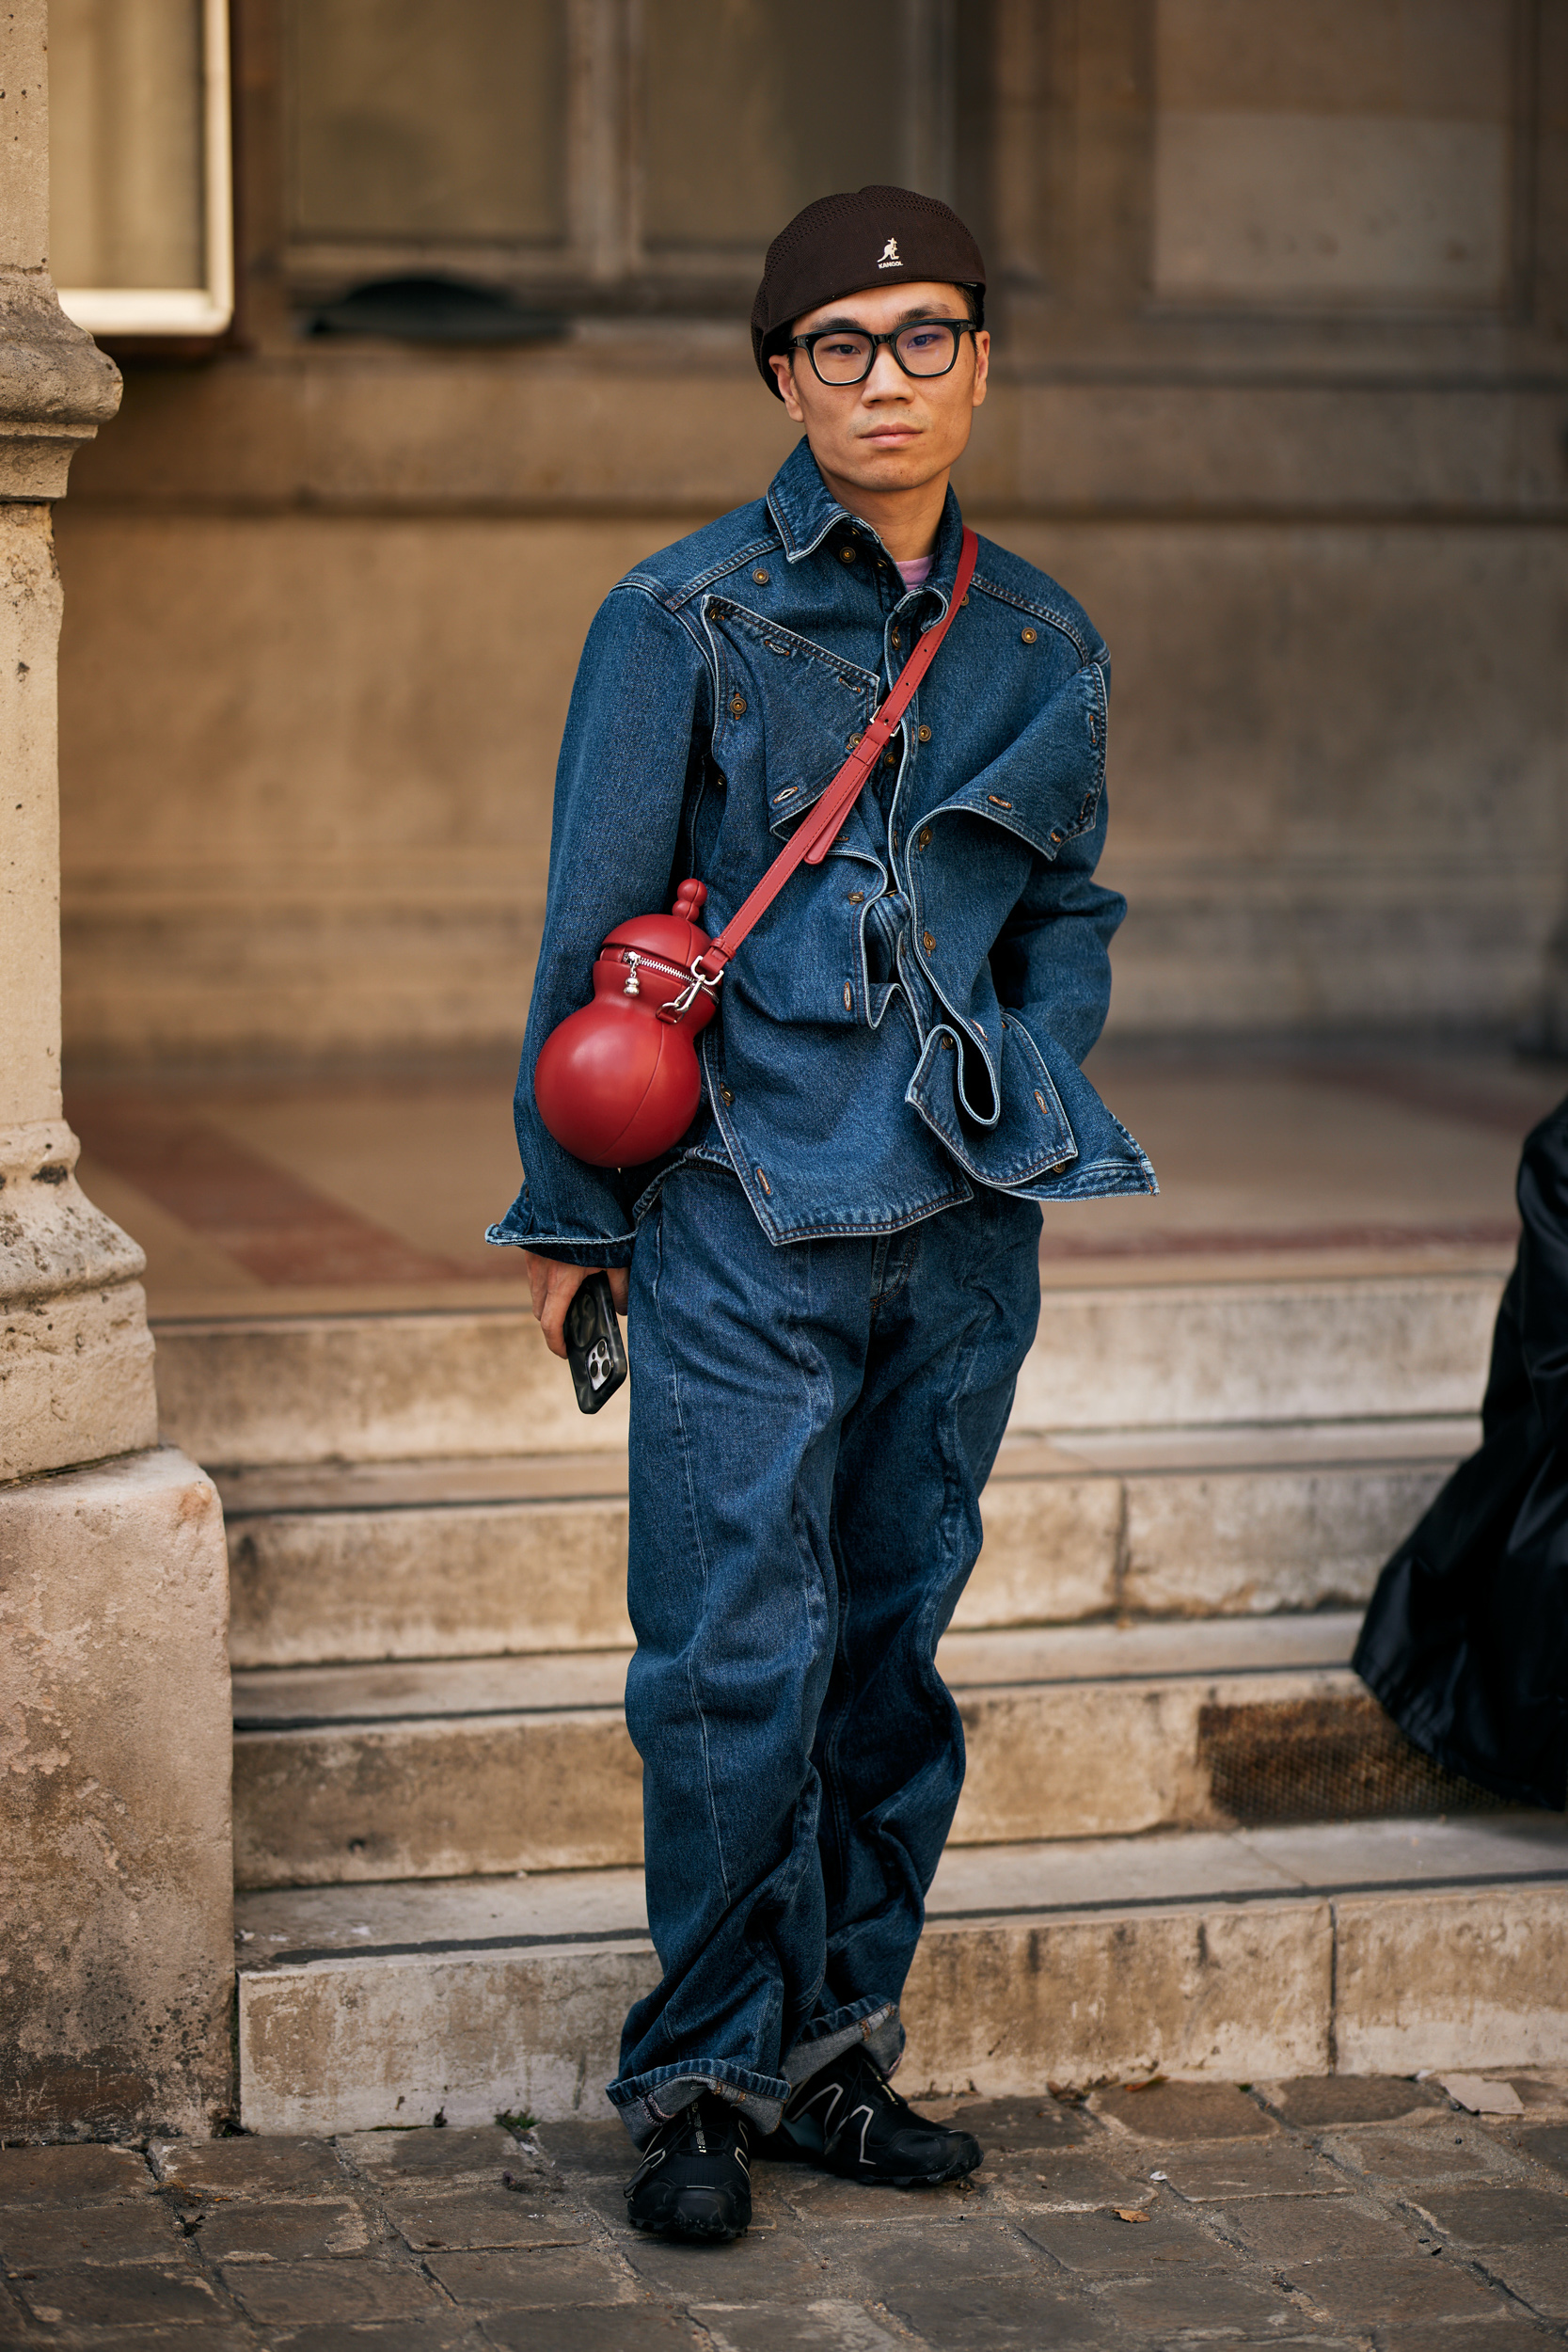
(811, 841)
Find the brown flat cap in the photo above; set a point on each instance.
(875, 237)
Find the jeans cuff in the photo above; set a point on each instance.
(874, 2023)
(645, 2102)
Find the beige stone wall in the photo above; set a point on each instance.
(324, 599)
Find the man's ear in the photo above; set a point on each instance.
(783, 370)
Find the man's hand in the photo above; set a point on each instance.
(556, 1285)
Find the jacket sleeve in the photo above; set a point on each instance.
(1051, 961)
(638, 705)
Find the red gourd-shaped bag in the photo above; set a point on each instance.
(618, 1083)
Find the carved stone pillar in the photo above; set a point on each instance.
(115, 1877)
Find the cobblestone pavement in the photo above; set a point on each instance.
(1369, 2212)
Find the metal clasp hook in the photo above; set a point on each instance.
(682, 1003)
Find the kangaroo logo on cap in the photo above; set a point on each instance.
(890, 256)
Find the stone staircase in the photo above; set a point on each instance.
(1188, 1840)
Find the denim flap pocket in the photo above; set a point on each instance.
(787, 707)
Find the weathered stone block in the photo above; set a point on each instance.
(115, 1844)
(436, 1801)
(371, 1388)
(329, 2048)
(1278, 1538)
(440, 1582)
(1463, 1979)
(989, 2005)
(1049, 1552)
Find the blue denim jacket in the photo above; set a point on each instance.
(908, 1019)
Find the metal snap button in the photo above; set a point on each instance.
(760, 576)
(947, 1044)
(923, 838)
(896, 638)
(851, 740)
(924, 735)
(928, 941)
(1028, 635)
(846, 555)
(737, 706)
(725, 1097)
(890, 758)
(856, 898)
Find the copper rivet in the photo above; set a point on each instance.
(1040, 1098)
(947, 1044)
(725, 1097)
(848, 999)
(1057, 833)
(737, 706)
(764, 1183)
(889, 760)
(1028, 635)
(923, 838)
(852, 741)
(928, 941)
(846, 555)
(856, 897)
(896, 638)
(760, 576)
(924, 735)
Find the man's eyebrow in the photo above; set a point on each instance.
(902, 318)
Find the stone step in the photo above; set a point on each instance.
(365, 1388)
(1374, 1947)
(457, 1559)
(346, 1774)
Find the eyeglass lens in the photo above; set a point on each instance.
(928, 349)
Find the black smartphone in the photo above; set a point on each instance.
(594, 1348)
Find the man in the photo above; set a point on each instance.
(834, 1279)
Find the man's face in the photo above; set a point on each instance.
(894, 432)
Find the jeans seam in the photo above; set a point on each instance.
(701, 1554)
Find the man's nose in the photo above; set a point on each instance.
(886, 375)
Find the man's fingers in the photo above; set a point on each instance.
(554, 1287)
(553, 1320)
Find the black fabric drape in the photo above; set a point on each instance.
(1466, 1642)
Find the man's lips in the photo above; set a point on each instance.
(892, 435)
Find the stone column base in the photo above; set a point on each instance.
(117, 1955)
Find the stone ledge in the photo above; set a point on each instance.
(56, 388)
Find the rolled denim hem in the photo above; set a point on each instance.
(875, 2023)
(644, 2102)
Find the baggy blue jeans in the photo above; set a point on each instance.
(810, 1427)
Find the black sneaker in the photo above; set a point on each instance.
(695, 2177)
(850, 2119)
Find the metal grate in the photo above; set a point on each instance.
(1325, 1759)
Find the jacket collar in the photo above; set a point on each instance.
(804, 510)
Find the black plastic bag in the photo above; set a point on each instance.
(1465, 1643)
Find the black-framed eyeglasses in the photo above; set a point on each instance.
(846, 355)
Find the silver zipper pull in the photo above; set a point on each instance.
(633, 986)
